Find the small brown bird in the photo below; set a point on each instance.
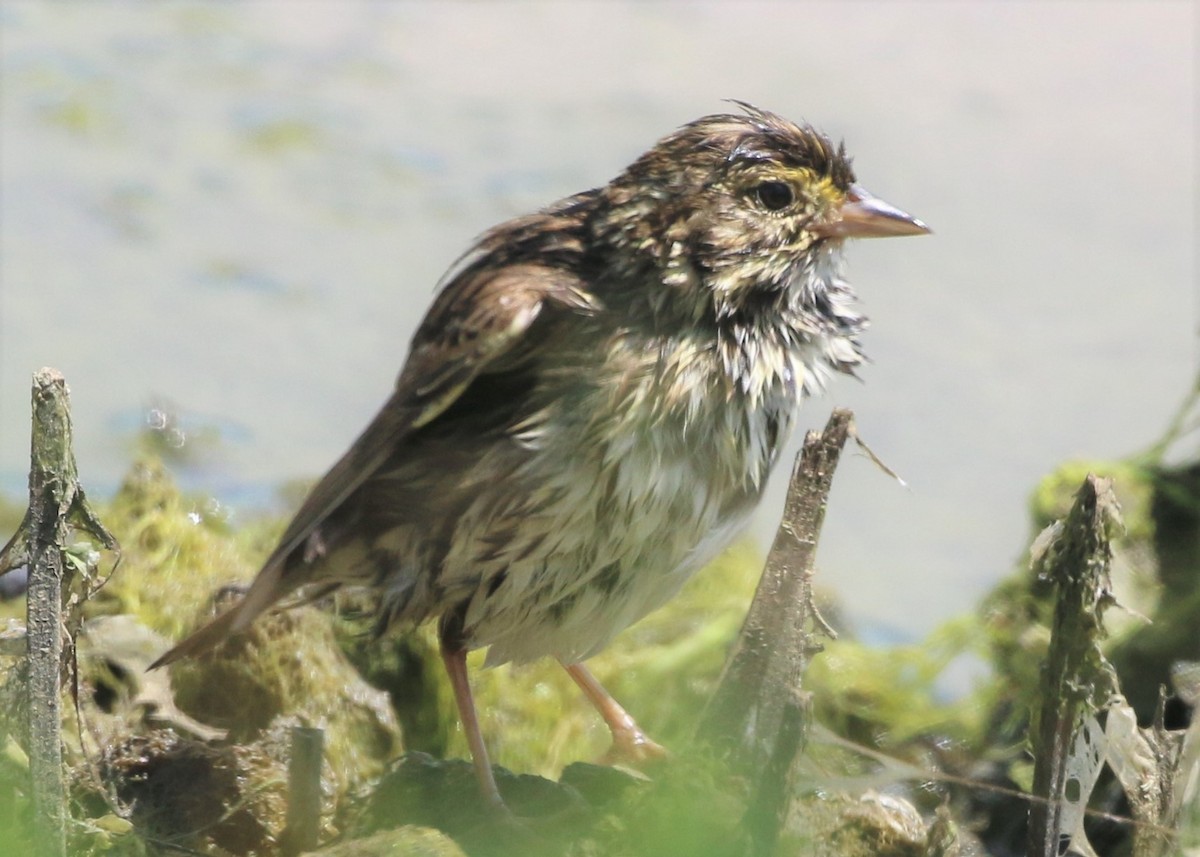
(592, 406)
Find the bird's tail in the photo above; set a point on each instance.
(201, 640)
(264, 591)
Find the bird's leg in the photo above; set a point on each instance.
(454, 656)
(630, 744)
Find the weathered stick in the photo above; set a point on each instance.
(764, 667)
(55, 499)
(771, 795)
(304, 790)
(51, 475)
(757, 717)
(1076, 679)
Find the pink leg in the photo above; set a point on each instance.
(455, 659)
(630, 744)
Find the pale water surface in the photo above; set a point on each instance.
(243, 209)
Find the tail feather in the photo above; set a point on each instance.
(263, 592)
(204, 639)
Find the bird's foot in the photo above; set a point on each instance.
(631, 747)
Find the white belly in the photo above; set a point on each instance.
(610, 538)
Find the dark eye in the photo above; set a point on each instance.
(774, 195)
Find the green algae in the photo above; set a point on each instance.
(294, 667)
(175, 552)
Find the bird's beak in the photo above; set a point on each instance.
(864, 216)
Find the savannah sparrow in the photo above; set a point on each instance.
(592, 405)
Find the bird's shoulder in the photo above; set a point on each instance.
(516, 273)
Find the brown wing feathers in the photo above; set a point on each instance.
(477, 320)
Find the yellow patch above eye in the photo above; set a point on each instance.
(818, 188)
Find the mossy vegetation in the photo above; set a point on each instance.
(893, 766)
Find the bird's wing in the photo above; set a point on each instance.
(474, 323)
(477, 321)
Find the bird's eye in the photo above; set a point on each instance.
(774, 195)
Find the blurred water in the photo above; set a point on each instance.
(243, 209)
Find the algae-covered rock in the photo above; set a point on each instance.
(119, 695)
(287, 668)
(547, 817)
(177, 552)
(445, 794)
(171, 773)
(691, 806)
(877, 824)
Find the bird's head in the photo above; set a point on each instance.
(743, 206)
